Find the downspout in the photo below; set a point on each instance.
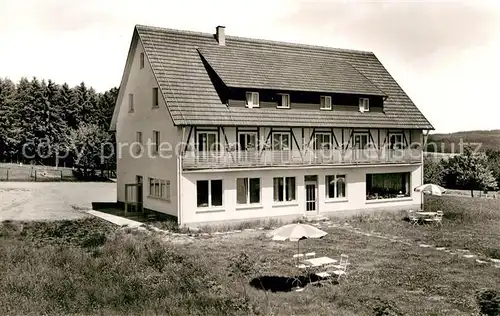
(424, 146)
(179, 178)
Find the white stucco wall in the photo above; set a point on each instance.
(145, 119)
(355, 200)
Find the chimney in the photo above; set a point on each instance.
(220, 35)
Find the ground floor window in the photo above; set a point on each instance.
(335, 186)
(159, 188)
(284, 189)
(247, 190)
(209, 193)
(387, 185)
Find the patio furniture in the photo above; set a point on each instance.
(296, 232)
(319, 261)
(344, 260)
(298, 256)
(413, 217)
(332, 271)
(310, 255)
(438, 218)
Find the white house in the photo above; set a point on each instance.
(215, 128)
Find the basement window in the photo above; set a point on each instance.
(252, 99)
(284, 102)
(325, 102)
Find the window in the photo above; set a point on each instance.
(247, 140)
(325, 102)
(284, 189)
(209, 193)
(252, 99)
(335, 186)
(155, 97)
(130, 102)
(281, 141)
(322, 141)
(387, 185)
(247, 190)
(285, 101)
(396, 141)
(207, 141)
(156, 139)
(138, 140)
(360, 140)
(364, 104)
(142, 60)
(159, 189)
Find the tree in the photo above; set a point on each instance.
(494, 162)
(470, 171)
(433, 171)
(87, 144)
(7, 102)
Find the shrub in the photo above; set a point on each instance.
(488, 301)
(385, 308)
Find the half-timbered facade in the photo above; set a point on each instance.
(220, 128)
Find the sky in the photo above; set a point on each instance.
(444, 54)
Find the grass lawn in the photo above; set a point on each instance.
(468, 223)
(88, 267)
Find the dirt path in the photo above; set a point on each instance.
(28, 201)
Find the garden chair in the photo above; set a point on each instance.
(344, 261)
(413, 217)
(438, 219)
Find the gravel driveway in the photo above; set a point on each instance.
(27, 201)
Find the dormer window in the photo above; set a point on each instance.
(364, 105)
(284, 102)
(252, 99)
(325, 102)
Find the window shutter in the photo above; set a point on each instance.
(255, 99)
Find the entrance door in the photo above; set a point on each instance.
(311, 196)
(139, 181)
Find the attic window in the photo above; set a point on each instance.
(252, 99)
(325, 102)
(364, 105)
(155, 97)
(142, 60)
(284, 103)
(130, 102)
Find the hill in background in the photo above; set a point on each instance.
(445, 142)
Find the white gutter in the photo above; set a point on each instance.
(179, 179)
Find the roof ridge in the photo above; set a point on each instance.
(257, 40)
(300, 45)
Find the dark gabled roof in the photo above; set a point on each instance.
(192, 99)
(282, 70)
